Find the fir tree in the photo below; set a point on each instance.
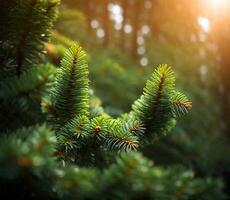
(41, 153)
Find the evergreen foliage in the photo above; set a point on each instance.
(27, 167)
(152, 114)
(157, 107)
(28, 24)
(71, 93)
(180, 103)
(20, 97)
(42, 154)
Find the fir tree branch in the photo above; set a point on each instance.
(153, 107)
(73, 134)
(29, 24)
(71, 93)
(180, 103)
(34, 80)
(113, 135)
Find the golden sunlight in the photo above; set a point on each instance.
(218, 6)
(217, 3)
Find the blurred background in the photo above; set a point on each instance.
(126, 39)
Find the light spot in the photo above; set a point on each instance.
(128, 28)
(115, 13)
(94, 24)
(141, 50)
(140, 40)
(144, 61)
(204, 24)
(203, 71)
(148, 4)
(118, 26)
(100, 33)
(145, 29)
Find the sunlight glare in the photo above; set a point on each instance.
(218, 3)
(217, 7)
(115, 13)
(204, 23)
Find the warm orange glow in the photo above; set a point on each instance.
(217, 3)
(218, 6)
